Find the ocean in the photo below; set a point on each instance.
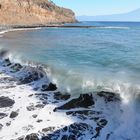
(82, 60)
(105, 58)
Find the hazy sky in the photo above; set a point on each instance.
(99, 7)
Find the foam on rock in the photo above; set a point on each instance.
(84, 100)
(6, 102)
(29, 114)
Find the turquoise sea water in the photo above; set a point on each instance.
(83, 59)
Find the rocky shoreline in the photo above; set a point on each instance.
(18, 27)
(90, 115)
(55, 26)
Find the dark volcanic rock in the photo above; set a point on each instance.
(16, 67)
(3, 53)
(85, 101)
(33, 107)
(32, 136)
(7, 62)
(109, 96)
(59, 96)
(8, 123)
(85, 114)
(39, 106)
(7, 80)
(50, 87)
(21, 138)
(43, 97)
(6, 102)
(64, 137)
(67, 137)
(102, 123)
(39, 120)
(33, 74)
(48, 129)
(108, 135)
(44, 87)
(13, 114)
(30, 108)
(34, 116)
(1, 126)
(30, 95)
(6, 87)
(98, 129)
(30, 78)
(28, 128)
(73, 132)
(3, 115)
(100, 126)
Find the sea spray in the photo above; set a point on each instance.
(101, 62)
(123, 109)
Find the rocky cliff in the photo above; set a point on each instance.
(33, 12)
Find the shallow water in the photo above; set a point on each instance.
(81, 60)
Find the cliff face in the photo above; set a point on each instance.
(33, 12)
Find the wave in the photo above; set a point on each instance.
(114, 27)
(3, 31)
(75, 83)
(36, 75)
(72, 82)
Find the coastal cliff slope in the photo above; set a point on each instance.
(33, 12)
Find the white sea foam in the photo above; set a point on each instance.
(121, 116)
(18, 29)
(77, 83)
(24, 120)
(114, 27)
(25, 124)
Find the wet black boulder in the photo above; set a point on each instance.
(3, 115)
(74, 131)
(32, 136)
(30, 77)
(1, 126)
(7, 62)
(109, 96)
(13, 114)
(16, 67)
(84, 101)
(60, 96)
(50, 87)
(6, 102)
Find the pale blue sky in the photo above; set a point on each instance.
(99, 7)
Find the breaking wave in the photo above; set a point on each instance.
(37, 75)
(114, 27)
(123, 121)
(6, 30)
(76, 83)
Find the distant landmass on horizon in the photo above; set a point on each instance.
(130, 16)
